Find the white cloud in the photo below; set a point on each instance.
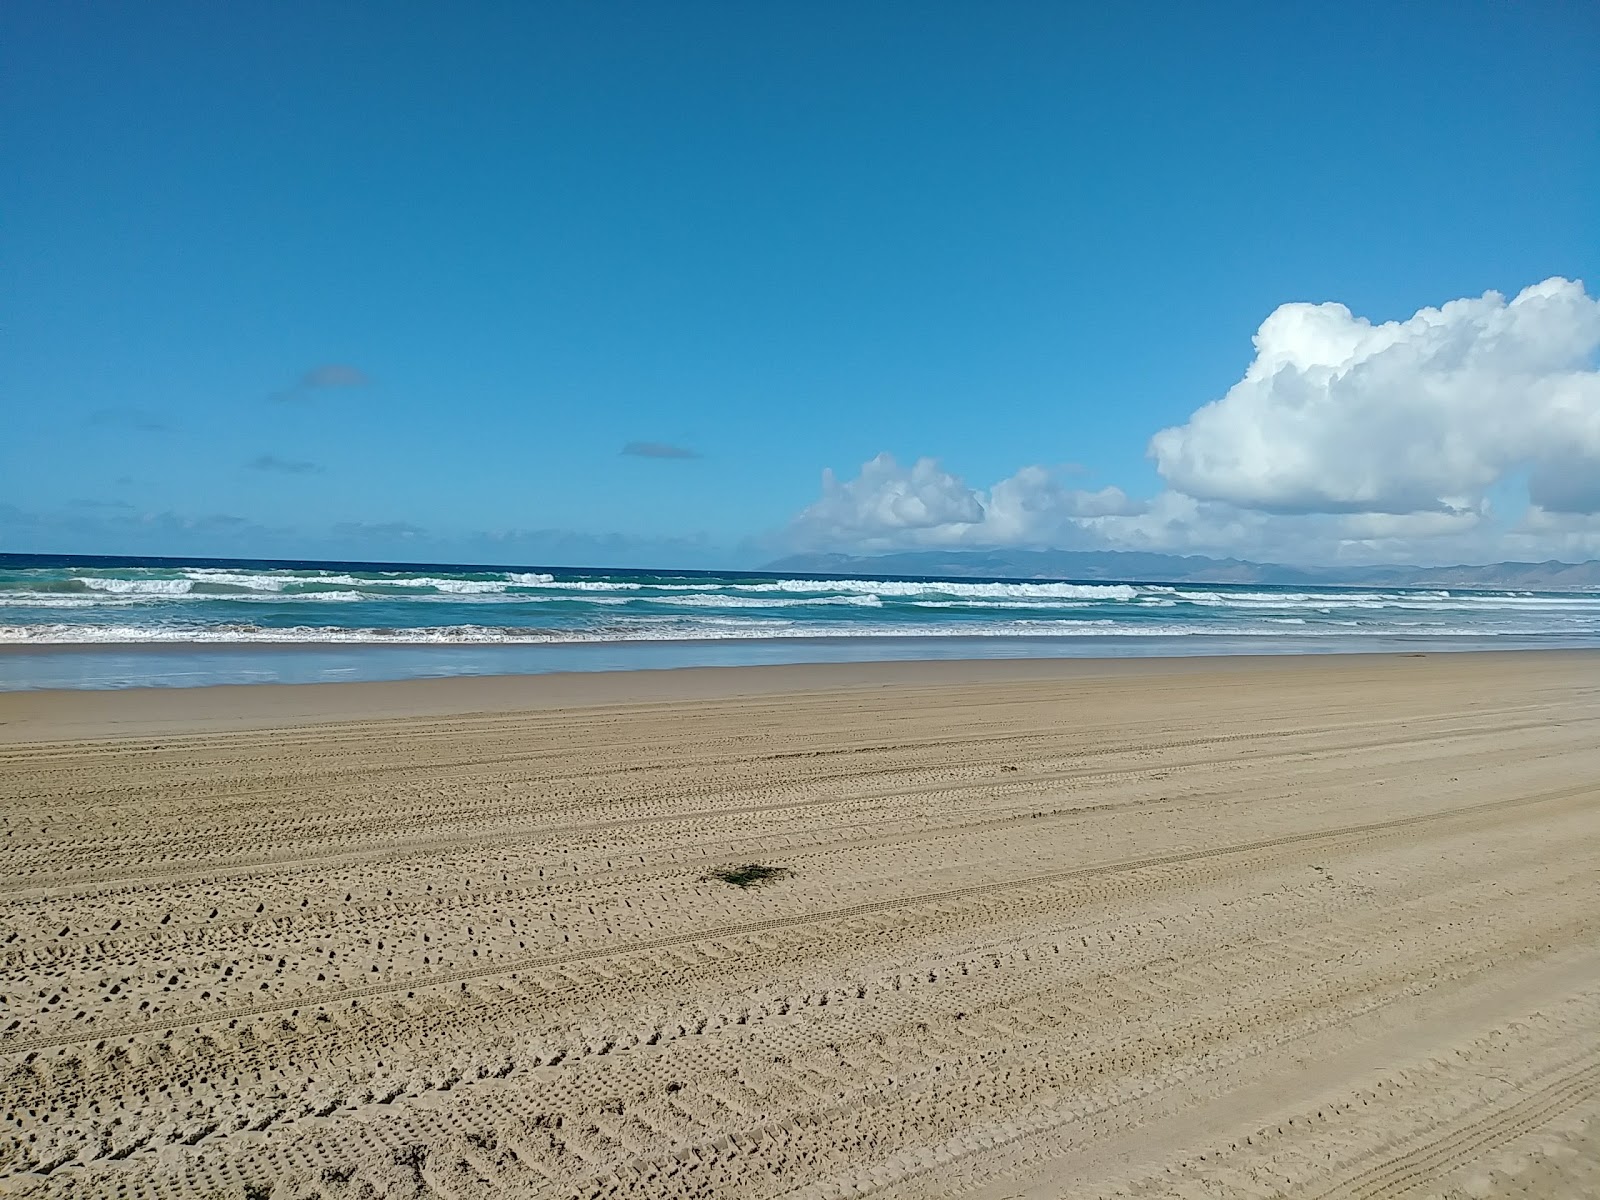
(890, 506)
(1033, 506)
(893, 507)
(1344, 442)
(887, 504)
(1423, 415)
(1408, 526)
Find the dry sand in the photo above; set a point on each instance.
(1307, 928)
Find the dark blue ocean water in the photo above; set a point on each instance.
(161, 622)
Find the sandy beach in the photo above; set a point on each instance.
(1299, 927)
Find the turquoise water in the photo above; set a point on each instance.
(213, 616)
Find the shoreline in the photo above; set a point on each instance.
(59, 713)
(812, 639)
(40, 667)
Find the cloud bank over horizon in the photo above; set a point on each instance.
(1343, 441)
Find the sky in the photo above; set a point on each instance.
(703, 284)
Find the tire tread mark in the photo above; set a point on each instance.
(1426, 1163)
(739, 929)
(418, 847)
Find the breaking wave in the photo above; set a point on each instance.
(243, 633)
(349, 603)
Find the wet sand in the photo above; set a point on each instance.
(1210, 927)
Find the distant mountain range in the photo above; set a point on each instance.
(1188, 568)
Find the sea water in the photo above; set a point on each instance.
(112, 623)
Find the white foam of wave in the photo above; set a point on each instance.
(697, 630)
(345, 597)
(617, 585)
(1297, 599)
(137, 587)
(144, 599)
(712, 600)
(256, 581)
(276, 581)
(393, 582)
(900, 587)
(1433, 601)
(107, 600)
(1010, 602)
(866, 593)
(876, 587)
(382, 586)
(460, 587)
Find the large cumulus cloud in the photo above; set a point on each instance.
(1344, 441)
(1336, 414)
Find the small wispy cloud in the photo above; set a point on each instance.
(97, 517)
(322, 378)
(334, 375)
(136, 419)
(658, 450)
(382, 529)
(283, 466)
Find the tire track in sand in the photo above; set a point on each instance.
(539, 962)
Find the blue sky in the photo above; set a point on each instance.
(403, 280)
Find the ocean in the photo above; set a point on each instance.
(99, 623)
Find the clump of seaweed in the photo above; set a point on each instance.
(748, 874)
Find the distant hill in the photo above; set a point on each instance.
(1188, 568)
